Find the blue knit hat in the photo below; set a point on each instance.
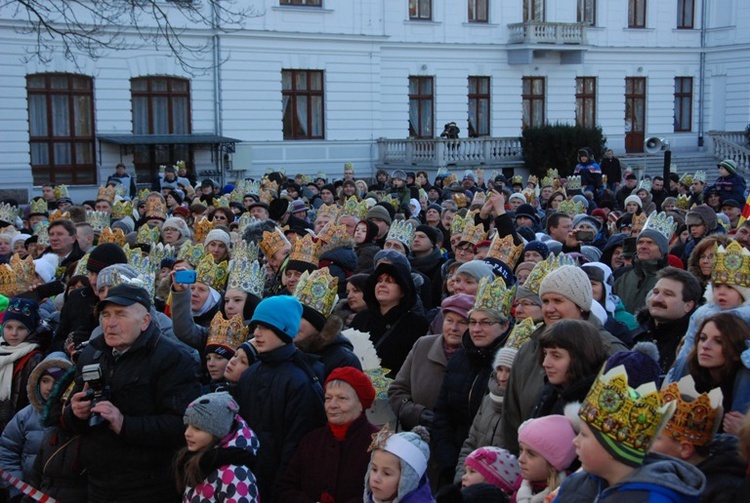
(25, 311)
(281, 313)
(537, 246)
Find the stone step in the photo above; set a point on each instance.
(687, 162)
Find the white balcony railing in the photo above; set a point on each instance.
(732, 145)
(536, 32)
(439, 152)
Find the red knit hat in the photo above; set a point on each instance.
(357, 380)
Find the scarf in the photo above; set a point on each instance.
(8, 356)
(213, 298)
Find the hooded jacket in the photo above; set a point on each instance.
(331, 347)
(724, 470)
(341, 263)
(633, 286)
(731, 187)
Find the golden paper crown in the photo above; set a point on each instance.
(574, 182)
(348, 166)
(516, 180)
(460, 199)
(58, 215)
(245, 249)
(329, 211)
(272, 242)
(521, 333)
(401, 231)
(221, 202)
(116, 236)
(533, 180)
(543, 268)
(700, 176)
(212, 274)
(450, 180)
(155, 208)
(388, 198)
(147, 235)
(202, 228)
(24, 271)
(683, 202)
(191, 253)
(107, 193)
(122, 209)
(354, 208)
(628, 419)
(494, 296)
(8, 283)
(504, 250)
(530, 195)
(638, 222)
(694, 421)
(246, 275)
(334, 236)
(458, 223)
(661, 223)
(228, 334)
(143, 195)
(61, 192)
(571, 207)
(731, 265)
(473, 233)
(146, 271)
(305, 250)
(161, 251)
(42, 236)
(317, 290)
(82, 266)
(38, 206)
(686, 179)
(268, 184)
(8, 213)
(98, 220)
(266, 196)
(547, 181)
(553, 173)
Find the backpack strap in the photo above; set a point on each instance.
(23, 361)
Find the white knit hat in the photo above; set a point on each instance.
(179, 224)
(217, 235)
(571, 282)
(633, 199)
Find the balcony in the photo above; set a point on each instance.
(538, 32)
(437, 153)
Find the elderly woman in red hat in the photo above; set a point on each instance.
(330, 462)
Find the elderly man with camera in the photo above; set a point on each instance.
(132, 387)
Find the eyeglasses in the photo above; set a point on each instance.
(465, 249)
(483, 323)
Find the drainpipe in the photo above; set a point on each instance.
(702, 71)
(216, 60)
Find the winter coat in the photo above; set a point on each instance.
(430, 266)
(591, 175)
(553, 399)
(724, 470)
(185, 328)
(666, 336)
(341, 263)
(324, 465)
(660, 479)
(485, 429)
(281, 398)
(461, 393)
(731, 187)
(331, 347)
(151, 384)
(366, 256)
(22, 369)
(58, 470)
(422, 494)
(231, 477)
(77, 314)
(527, 380)
(633, 286)
(417, 384)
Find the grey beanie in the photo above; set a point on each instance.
(571, 282)
(213, 413)
(525, 293)
(477, 270)
(107, 275)
(179, 224)
(218, 235)
(658, 238)
(380, 213)
(504, 357)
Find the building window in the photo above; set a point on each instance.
(533, 10)
(636, 13)
(61, 128)
(420, 10)
(533, 101)
(586, 101)
(479, 11)
(307, 3)
(302, 95)
(587, 12)
(161, 106)
(685, 12)
(683, 103)
(421, 100)
(479, 106)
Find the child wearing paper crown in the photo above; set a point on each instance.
(397, 469)
(217, 463)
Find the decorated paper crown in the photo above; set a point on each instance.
(532, 180)
(193, 253)
(129, 252)
(246, 275)
(202, 228)
(700, 176)
(272, 242)
(221, 202)
(98, 220)
(334, 236)
(143, 195)
(245, 220)
(731, 265)
(543, 268)
(24, 271)
(228, 334)
(643, 185)
(212, 274)
(321, 174)
(571, 207)
(548, 181)
(122, 209)
(42, 236)
(251, 187)
(686, 179)
(683, 202)
(58, 215)
(473, 233)
(38, 207)
(161, 251)
(495, 296)
(626, 420)
(401, 231)
(521, 333)
(146, 271)
(147, 235)
(458, 223)
(504, 250)
(179, 165)
(107, 193)
(460, 199)
(694, 421)
(638, 222)
(661, 223)
(317, 290)
(530, 195)
(155, 208)
(8, 213)
(553, 173)
(329, 211)
(479, 199)
(245, 249)
(8, 283)
(574, 183)
(516, 180)
(354, 208)
(449, 180)
(61, 192)
(236, 196)
(388, 198)
(266, 196)
(442, 171)
(107, 235)
(82, 266)
(121, 191)
(348, 166)
(305, 250)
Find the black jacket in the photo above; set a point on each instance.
(724, 470)
(151, 384)
(431, 266)
(341, 263)
(77, 314)
(666, 336)
(331, 347)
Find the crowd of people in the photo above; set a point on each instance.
(570, 339)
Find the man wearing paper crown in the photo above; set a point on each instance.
(690, 435)
(620, 418)
(320, 331)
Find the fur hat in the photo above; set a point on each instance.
(213, 413)
(704, 215)
(498, 466)
(572, 283)
(552, 438)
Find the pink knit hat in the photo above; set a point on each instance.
(498, 466)
(552, 437)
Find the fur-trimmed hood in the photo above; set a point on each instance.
(53, 360)
(326, 337)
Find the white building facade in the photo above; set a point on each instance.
(308, 85)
